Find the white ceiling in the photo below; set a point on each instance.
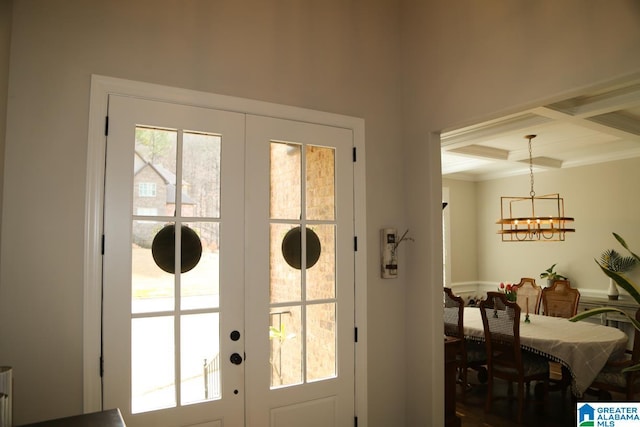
(599, 126)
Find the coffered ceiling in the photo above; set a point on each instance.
(599, 126)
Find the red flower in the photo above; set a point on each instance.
(509, 290)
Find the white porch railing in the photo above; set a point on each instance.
(211, 370)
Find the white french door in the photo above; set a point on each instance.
(163, 326)
(300, 214)
(228, 268)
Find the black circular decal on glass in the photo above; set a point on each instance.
(292, 247)
(163, 249)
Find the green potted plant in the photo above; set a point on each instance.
(625, 283)
(551, 275)
(613, 261)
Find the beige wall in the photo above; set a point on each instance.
(602, 198)
(330, 55)
(447, 64)
(5, 45)
(466, 61)
(462, 211)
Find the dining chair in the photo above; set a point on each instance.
(560, 299)
(611, 377)
(528, 293)
(505, 358)
(471, 354)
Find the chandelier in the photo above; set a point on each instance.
(533, 218)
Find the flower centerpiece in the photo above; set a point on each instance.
(509, 290)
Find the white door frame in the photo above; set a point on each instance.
(101, 87)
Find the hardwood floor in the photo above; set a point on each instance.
(558, 412)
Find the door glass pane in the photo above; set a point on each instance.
(201, 175)
(154, 169)
(152, 364)
(321, 341)
(285, 181)
(320, 185)
(285, 334)
(302, 269)
(199, 358)
(321, 276)
(285, 281)
(152, 289)
(200, 286)
(155, 276)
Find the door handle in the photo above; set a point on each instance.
(236, 359)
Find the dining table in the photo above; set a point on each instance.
(582, 347)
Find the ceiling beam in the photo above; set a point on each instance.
(486, 131)
(482, 152)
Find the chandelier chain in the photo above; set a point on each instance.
(531, 193)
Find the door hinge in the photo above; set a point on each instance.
(355, 421)
(354, 154)
(102, 245)
(106, 126)
(355, 243)
(356, 334)
(101, 367)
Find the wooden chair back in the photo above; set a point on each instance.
(469, 354)
(501, 321)
(505, 358)
(453, 314)
(528, 293)
(560, 299)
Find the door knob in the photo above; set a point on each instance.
(236, 359)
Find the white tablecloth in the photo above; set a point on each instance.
(582, 347)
